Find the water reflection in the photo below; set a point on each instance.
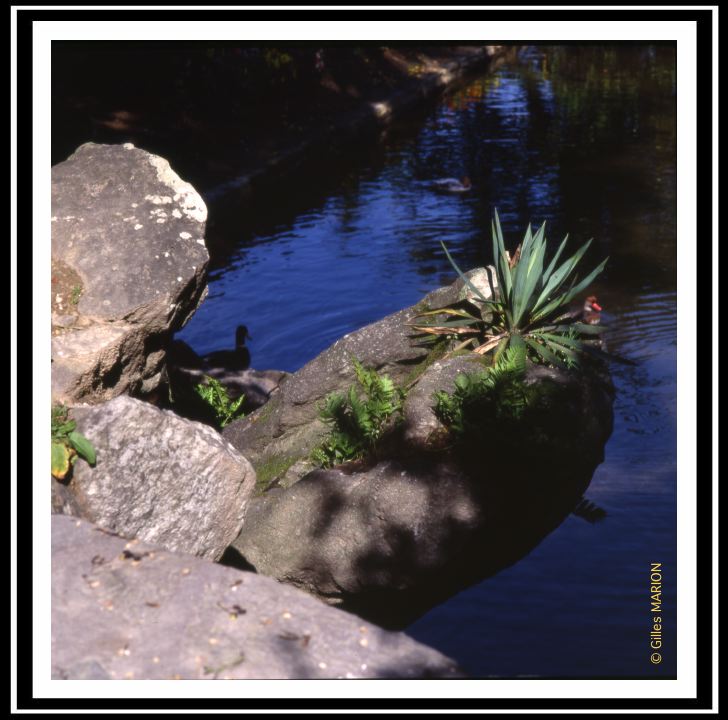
(584, 138)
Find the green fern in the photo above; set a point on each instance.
(490, 401)
(214, 393)
(358, 418)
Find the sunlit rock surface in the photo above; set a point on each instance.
(160, 478)
(129, 262)
(127, 610)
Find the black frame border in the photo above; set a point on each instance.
(704, 82)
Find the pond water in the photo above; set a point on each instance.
(584, 138)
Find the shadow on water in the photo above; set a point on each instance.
(584, 138)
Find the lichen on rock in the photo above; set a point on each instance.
(140, 280)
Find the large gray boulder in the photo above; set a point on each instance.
(365, 540)
(430, 513)
(129, 263)
(126, 610)
(159, 477)
(391, 540)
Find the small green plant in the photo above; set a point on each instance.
(489, 402)
(67, 445)
(357, 418)
(528, 305)
(214, 393)
(76, 294)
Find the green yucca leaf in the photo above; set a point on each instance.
(571, 353)
(543, 351)
(525, 254)
(559, 277)
(580, 286)
(461, 323)
(539, 241)
(528, 251)
(503, 289)
(500, 260)
(554, 260)
(582, 328)
(462, 275)
(525, 299)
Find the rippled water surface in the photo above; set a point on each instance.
(583, 138)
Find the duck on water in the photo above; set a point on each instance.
(236, 359)
(589, 313)
(452, 185)
(231, 367)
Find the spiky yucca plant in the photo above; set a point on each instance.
(527, 309)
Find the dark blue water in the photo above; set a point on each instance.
(583, 138)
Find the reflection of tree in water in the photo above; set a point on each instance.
(583, 137)
(618, 167)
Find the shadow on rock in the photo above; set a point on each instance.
(393, 541)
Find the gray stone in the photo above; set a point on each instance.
(337, 534)
(62, 499)
(161, 478)
(128, 610)
(133, 232)
(296, 472)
